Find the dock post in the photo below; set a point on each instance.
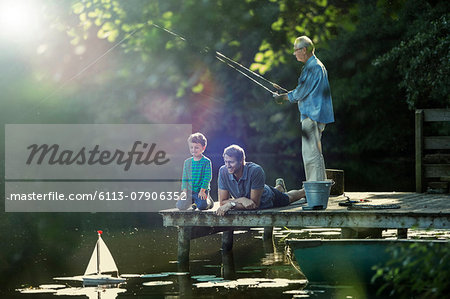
(184, 244)
(227, 240)
(228, 270)
(402, 233)
(268, 233)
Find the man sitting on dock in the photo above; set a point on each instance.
(242, 185)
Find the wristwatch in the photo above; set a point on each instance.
(233, 204)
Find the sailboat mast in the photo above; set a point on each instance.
(98, 251)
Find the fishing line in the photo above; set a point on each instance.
(269, 90)
(86, 67)
(221, 57)
(247, 69)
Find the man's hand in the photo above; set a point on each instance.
(222, 210)
(246, 202)
(280, 98)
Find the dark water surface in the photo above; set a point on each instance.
(254, 269)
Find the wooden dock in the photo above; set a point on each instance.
(418, 210)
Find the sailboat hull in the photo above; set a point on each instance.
(102, 279)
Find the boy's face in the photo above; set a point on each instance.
(196, 149)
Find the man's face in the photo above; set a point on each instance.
(300, 54)
(232, 164)
(196, 149)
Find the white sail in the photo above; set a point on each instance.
(106, 264)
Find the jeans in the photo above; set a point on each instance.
(201, 203)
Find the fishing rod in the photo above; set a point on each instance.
(79, 73)
(255, 81)
(233, 64)
(221, 57)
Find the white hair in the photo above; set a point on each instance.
(304, 42)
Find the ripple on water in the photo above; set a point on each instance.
(36, 291)
(157, 283)
(52, 286)
(251, 283)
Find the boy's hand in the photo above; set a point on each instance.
(202, 194)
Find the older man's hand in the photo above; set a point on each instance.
(280, 98)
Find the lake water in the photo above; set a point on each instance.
(33, 256)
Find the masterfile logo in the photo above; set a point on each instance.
(94, 168)
(95, 151)
(52, 155)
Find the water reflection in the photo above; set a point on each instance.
(254, 268)
(103, 292)
(92, 292)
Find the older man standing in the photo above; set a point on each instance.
(313, 97)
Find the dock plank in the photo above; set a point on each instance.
(417, 210)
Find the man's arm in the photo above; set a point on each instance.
(242, 203)
(224, 196)
(252, 202)
(307, 82)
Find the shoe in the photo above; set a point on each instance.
(302, 201)
(280, 182)
(194, 207)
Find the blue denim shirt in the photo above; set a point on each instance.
(313, 93)
(253, 177)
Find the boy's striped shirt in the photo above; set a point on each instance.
(196, 174)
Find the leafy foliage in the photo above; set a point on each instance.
(423, 62)
(417, 271)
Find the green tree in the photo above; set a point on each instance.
(422, 59)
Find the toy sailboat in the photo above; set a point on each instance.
(101, 265)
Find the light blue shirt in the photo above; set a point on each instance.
(313, 93)
(253, 177)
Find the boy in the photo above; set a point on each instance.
(197, 174)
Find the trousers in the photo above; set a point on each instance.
(312, 150)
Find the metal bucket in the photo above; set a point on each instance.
(317, 194)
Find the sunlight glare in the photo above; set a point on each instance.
(19, 20)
